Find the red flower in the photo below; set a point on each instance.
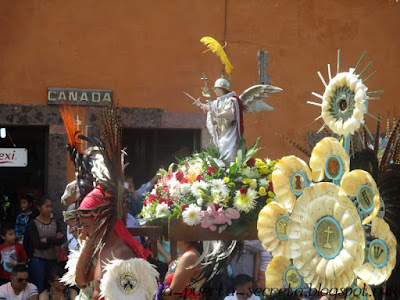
(144, 202)
(165, 188)
(184, 206)
(199, 177)
(251, 162)
(169, 201)
(162, 200)
(270, 186)
(179, 175)
(152, 198)
(243, 191)
(184, 180)
(211, 169)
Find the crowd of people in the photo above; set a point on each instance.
(34, 251)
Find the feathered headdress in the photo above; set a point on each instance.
(216, 48)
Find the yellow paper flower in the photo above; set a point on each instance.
(360, 184)
(281, 274)
(272, 225)
(329, 158)
(327, 238)
(289, 179)
(381, 254)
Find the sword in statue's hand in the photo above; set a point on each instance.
(197, 102)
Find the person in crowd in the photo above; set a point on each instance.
(11, 253)
(57, 290)
(135, 196)
(243, 285)
(265, 259)
(19, 288)
(45, 233)
(249, 261)
(70, 218)
(183, 276)
(25, 204)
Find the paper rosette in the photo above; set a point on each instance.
(272, 228)
(291, 176)
(281, 274)
(343, 103)
(134, 278)
(381, 254)
(329, 158)
(361, 185)
(330, 240)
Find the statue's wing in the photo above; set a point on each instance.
(253, 97)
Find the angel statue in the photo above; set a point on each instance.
(225, 114)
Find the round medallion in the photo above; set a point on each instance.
(127, 282)
(281, 225)
(334, 167)
(378, 253)
(298, 182)
(328, 237)
(365, 197)
(292, 278)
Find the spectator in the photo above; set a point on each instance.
(19, 288)
(25, 204)
(243, 285)
(45, 234)
(248, 261)
(265, 259)
(135, 196)
(70, 218)
(11, 253)
(57, 289)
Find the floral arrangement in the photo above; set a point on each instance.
(204, 190)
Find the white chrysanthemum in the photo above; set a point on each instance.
(175, 191)
(185, 188)
(191, 215)
(129, 279)
(245, 202)
(197, 186)
(162, 210)
(219, 186)
(263, 182)
(173, 182)
(200, 201)
(251, 173)
(154, 191)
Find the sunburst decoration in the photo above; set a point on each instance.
(345, 100)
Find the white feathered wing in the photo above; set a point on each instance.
(253, 98)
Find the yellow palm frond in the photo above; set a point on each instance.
(216, 47)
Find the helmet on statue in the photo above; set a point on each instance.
(223, 83)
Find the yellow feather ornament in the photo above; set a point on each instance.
(216, 48)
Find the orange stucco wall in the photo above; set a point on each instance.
(147, 52)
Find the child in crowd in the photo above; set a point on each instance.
(11, 253)
(25, 204)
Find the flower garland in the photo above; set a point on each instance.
(204, 191)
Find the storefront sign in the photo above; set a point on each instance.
(13, 157)
(79, 96)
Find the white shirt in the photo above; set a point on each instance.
(7, 292)
(234, 297)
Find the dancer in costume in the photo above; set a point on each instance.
(111, 257)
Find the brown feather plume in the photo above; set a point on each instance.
(296, 145)
(377, 135)
(389, 146)
(71, 128)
